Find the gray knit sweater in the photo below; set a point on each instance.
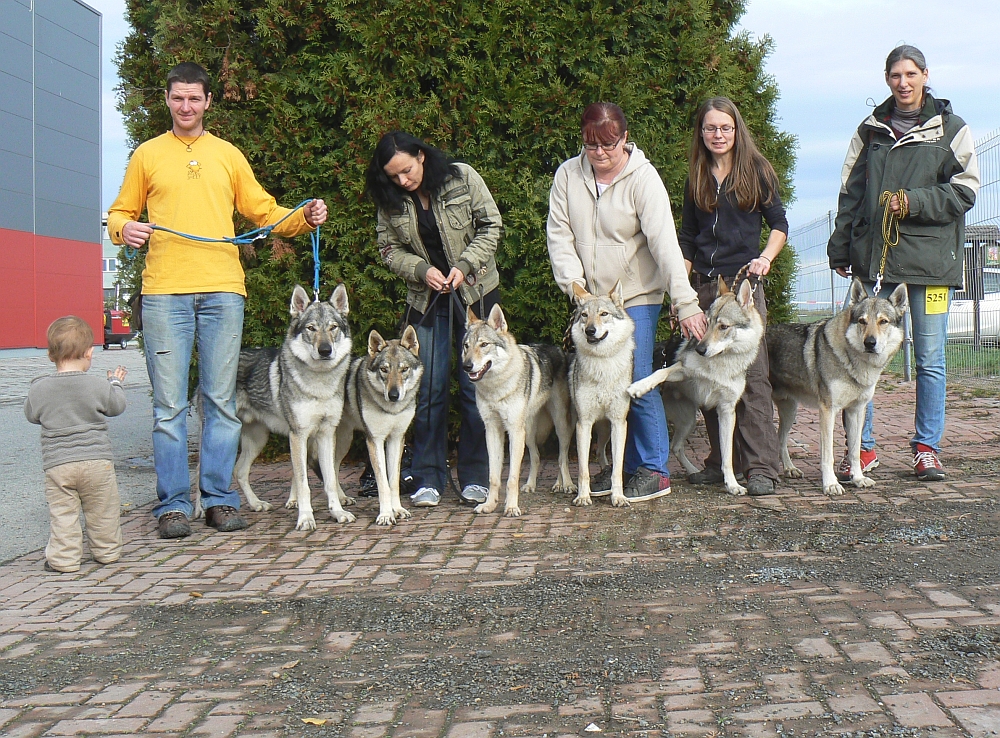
(73, 409)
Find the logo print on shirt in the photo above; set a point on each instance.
(194, 169)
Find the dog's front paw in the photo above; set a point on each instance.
(401, 513)
(792, 472)
(736, 490)
(638, 389)
(833, 489)
(486, 507)
(564, 489)
(263, 506)
(198, 513)
(385, 519)
(306, 522)
(618, 499)
(582, 500)
(345, 500)
(292, 503)
(512, 512)
(342, 516)
(863, 481)
(527, 489)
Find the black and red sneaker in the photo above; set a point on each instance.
(926, 464)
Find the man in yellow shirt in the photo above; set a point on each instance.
(190, 181)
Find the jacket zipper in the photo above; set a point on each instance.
(718, 195)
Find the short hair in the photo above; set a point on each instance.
(904, 52)
(603, 123)
(69, 339)
(189, 73)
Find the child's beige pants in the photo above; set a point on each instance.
(92, 486)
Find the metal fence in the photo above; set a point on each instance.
(974, 319)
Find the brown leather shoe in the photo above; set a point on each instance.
(173, 524)
(224, 519)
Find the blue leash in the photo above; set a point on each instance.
(249, 237)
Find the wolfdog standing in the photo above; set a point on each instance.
(381, 401)
(298, 391)
(835, 364)
(600, 372)
(521, 390)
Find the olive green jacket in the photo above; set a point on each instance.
(470, 226)
(935, 164)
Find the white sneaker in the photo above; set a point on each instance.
(426, 497)
(476, 493)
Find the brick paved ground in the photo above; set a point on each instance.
(699, 614)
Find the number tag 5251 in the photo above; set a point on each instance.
(936, 300)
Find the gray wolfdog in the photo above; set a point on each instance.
(298, 390)
(600, 371)
(712, 373)
(521, 390)
(381, 401)
(835, 364)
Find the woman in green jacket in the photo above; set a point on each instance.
(438, 229)
(915, 159)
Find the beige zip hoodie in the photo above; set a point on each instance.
(625, 234)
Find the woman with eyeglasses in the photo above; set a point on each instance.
(730, 191)
(438, 229)
(610, 221)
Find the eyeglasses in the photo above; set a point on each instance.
(603, 147)
(710, 130)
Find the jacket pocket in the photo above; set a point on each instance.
(459, 212)
(401, 225)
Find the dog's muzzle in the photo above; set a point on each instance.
(592, 336)
(325, 350)
(474, 375)
(871, 345)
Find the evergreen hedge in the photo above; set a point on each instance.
(306, 88)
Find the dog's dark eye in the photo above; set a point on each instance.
(604, 313)
(722, 326)
(862, 321)
(404, 369)
(883, 321)
(384, 368)
(483, 344)
(311, 328)
(583, 316)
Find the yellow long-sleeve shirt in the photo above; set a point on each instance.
(194, 192)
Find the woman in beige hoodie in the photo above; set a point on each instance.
(610, 221)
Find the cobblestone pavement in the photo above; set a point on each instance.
(874, 614)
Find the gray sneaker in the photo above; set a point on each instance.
(759, 486)
(600, 483)
(475, 493)
(426, 497)
(707, 476)
(646, 484)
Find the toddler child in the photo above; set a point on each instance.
(73, 407)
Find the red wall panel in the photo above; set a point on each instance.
(44, 279)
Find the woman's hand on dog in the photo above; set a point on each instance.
(694, 327)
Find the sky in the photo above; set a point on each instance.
(828, 62)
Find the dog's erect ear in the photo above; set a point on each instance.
(857, 293)
(497, 320)
(745, 295)
(375, 343)
(579, 293)
(300, 301)
(470, 317)
(899, 299)
(616, 295)
(723, 287)
(339, 299)
(409, 341)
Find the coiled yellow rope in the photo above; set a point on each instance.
(890, 221)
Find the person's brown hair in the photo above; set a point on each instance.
(603, 123)
(69, 339)
(752, 179)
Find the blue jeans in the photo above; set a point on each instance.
(930, 334)
(430, 426)
(648, 443)
(170, 326)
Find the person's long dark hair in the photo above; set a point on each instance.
(752, 179)
(386, 195)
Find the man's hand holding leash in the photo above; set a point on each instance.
(315, 213)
